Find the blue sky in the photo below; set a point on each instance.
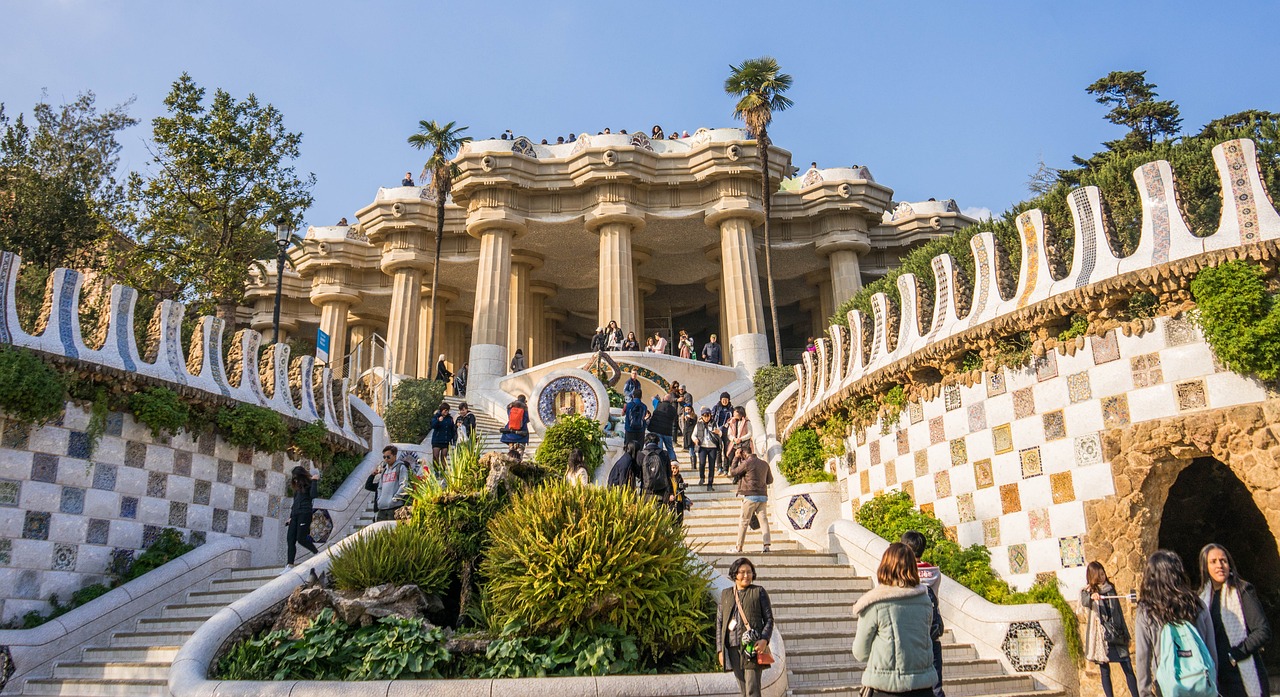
(945, 99)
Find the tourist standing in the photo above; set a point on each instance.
(517, 361)
(753, 487)
(444, 433)
(720, 415)
(744, 611)
(630, 343)
(688, 422)
(648, 345)
(931, 578)
(685, 345)
(1240, 626)
(632, 385)
(598, 341)
(613, 336)
(677, 488)
(516, 433)
(711, 351)
(707, 437)
(738, 431)
(460, 381)
(305, 488)
(576, 471)
(1106, 637)
(634, 416)
(893, 629)
(442, 372)
(388, 483)
(626, 471)
(465, 423)
(663, 423)
(655, 471)
(1165, 597)
(408, 179)
(659, 343)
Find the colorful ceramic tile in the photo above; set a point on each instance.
(1072, 550)
(135, 454)
(72, 500)
(861, 437)
(1055, 425)
(35, 525)
(1046, 366)
(959, 453)
(982, 474)
(951, 397)
(1115, 411)
(259, 479)
(801, 511)
(937, 430)
(78, 445)
(910, 488)
(207, 443)
(64, 557)
(98, 532)
(202, 492)
(1088, 450)
(964, 504)
(104, 476)
(927, 508)
(942, 484)
(1064, 489)
(1146, 370)
(1178, 332)
(128, 507)
(1078, 388)
(922, 462)
(1010, 498)
(10, 492)
(1017, 559)
(904, 442)
(864, 482)
(1106, 348)
(915, 412)
(977, 417)
(991, 533)
(157, 484)
(1002, 439)
(995, 383)
(1038, 523)
(44, 467)
(115, 424)
(1024, 403)
(1030, 458)
(1192, 395)
(890, 473)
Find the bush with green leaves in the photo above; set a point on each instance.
(252, 426)
(30, 390)
(336, 472)
(605, 651)
(890, 515)
(408, 416)
(160, 409)
(399, 554)
(312, 441)
(770, 381)
(168, 546)
(583, 558)
(568, 432)
(1240, 317)
(803, 460)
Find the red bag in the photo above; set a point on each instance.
(515, 419)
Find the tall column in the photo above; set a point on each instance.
(402, 327)
(489, 359)
(539, 293)
(842, 246)
(401, 222)
(519, 322)
(333, 321)
(617, 289)
(434, 323)
(740, 279)
(554, 344)
(456, 346)
(644, 288)
(360, 330)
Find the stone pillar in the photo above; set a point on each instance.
(644, 288)
(360, 330)
(403, 225)
(456, 346)
(489, 359)
(740, 279)
(555, 346)
(843, 247)
(539, 292)
(402, 326)
(436, 323)
(615, 224)
(333, 321)
(520, 320)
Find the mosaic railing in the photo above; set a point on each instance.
(298, 389)
(828, 376)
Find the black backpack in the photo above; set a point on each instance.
(654, 473)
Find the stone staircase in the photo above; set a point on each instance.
(813, 595)
(135, 661)
(490, 430)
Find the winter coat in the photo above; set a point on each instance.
(625, 472)
(634, 416)
(893, 638)
(1255, 621)
(759, 611)
(720, 415)
(302, 501)
(711, 352)
(703, 431)
(443, 431)
(630, 387)
(756, 476)
(688, 422)
(517, 363)
(466, 422)
(597, 342)
(663, 421)
(1109, 608)
(391, 484)
(1146, 637)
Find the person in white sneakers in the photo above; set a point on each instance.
(754, 490)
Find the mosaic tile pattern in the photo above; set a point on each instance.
(72, 500)
(44, 467)
(10, 492)
(64, 557)
(1010, 499)
(1192, 395)
(922, 462)
(959, 453)
(1055, 425)
(890, 473)
(260, 479)
(35, 525)
(225, 470)
(801, 511)
(977, 417)
(1088, 450)
(206, 444)
(201, 493)
(255, 526)
(1146, 370)
(991, 532)
(1115, 411)
(97, 532)
(982, 474)
(78, 445)
(1062, 486)
(1047, 366)
(1002, 439)
(245, 456)
(150, 533)
(1078, 388)
(1038, 522)
(995, 383)
(915, 412)
(241, 501)
(1072, 551)
(6, 551)
(1178, 332)
(1017, 559)
(1025, 643)
(875, 453)
(864, 483)
(1024, 403)
(135, 454)
(1030, 459)
(16, 435)
(177, 514)
(104, 476)
(910, 488)
(951, 397)
(128, 507)
(937, 430)
(942, 484)
(1106, 348)
(964, 505)
(182, 463)
(157, 484)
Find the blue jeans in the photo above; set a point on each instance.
(670, 444)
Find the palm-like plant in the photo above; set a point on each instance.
(444, 140)
(759, 85)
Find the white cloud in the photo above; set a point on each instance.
(976, 212)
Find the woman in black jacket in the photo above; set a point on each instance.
(304, 488)
(1240, 627)
(741, 608)
(1107, 635)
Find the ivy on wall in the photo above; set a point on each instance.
(1240, 317)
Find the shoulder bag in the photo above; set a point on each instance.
(750, 637)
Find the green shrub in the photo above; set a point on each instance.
(803, 460)
(256, 427)
(568, 432)
(335, 473)
(30, 390)
(1142, 305)
(408, 417)
(312, 441)
(401, 554)
(1240, 317)
(890, 515)
(769, 381)
(168, 546)
(972, 360)
(160, 409)
(580, 558)
(606, 651)
(1079, 327)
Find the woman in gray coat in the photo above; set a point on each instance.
(893, 638)
(1165, 597)
(745, 606)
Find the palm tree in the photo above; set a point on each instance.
(759, 87)
(444, 141)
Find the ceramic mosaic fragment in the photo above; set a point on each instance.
(910, 488)
(10, 492)
(890, 473)
(78, 445)
(1002, 439)
(1178, 332)
(177, 514)
(982, 474)
(937, 430)
(1106, 348)
(44, 467)
(1024, 403)
(1010, 498)
(259, 479)
(128, 507)
(964, 505)
(182, 463)
(1078, 388)
(157, 484)
(915, 412)
(1046, 366)
(959, 453)
(219, 520)
(72, 500)
(255, 526)
(1146, 370)
(6, 551)
(1072, 551)
(104, 476)
(922, 462)
(203, 490)
(245, 456)
(1017, 559)
(864, 482)
(1115, 411)
(225, 470)
(241, 500)
(97, 532)
(1088, 450)
(35, 525)
(942, 484)
(903, 441)
(16, 435)
(1192, 395)
(135, 454)
(1062, 486)
(64, 557)
(991, 532)
(951, 397)
(995, 383)
(1038, 523)
(1030, 459)
(977, 417)
(1055, 425)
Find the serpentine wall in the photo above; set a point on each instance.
(1018, 459)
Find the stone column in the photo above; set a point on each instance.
(843, 247)
(360, 330)
(402, 326)
(539, 293)
(402, 223)
(740, 279)
(519, 322)
(457, 325)
(615, 224)
(555, 346)
(644, 288)
(333, 321)
(429, 324)
(489, 359)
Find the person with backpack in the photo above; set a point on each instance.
(626, 471)
(707, 437)
(893, 629)
(466, 423)
(687, 423)
(931, 579)
(1173, 633)
(679, 500)
(663, 424)
(634, 417)
(516, 433)
(753, 487)
(305, 488)
(720, 415)
(655, 471)
(1240, 626)
(1106, 637)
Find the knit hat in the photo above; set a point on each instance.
(706, 410)
(724, 395)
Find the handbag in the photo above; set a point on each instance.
(1114, 633)
(750, 637)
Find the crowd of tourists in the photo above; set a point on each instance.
(612, 338)
(655, 133)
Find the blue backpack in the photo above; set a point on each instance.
(1185, 669)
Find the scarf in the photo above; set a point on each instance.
(1095, 639)
(1233, 622)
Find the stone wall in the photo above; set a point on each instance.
(64, 511)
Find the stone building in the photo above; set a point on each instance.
(542, 244)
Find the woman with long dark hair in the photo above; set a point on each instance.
(744, 626)
(1165, 597)
(576, 471)
(304, 488)
(1107, 635)
(894, 623)
(1240, 626)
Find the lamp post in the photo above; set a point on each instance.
(283, 234)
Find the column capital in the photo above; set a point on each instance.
(323, 295)
(640, 255)
(532, 260)
(623, 213)
(840, 240)
(646, 286)
(543, 288)
(394, 260)
(487, 219)
(737, 207)
(447, 293)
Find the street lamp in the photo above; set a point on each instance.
(283, 234)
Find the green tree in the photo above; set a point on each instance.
(1134, 105)
(759, 86)
(224, 173)
(444, 140)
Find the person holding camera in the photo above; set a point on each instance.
(444, 433)
(1106, 637)
(744, 625)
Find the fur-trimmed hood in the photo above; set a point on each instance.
(883, 593)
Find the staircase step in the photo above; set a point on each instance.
(843, 669)
(150, 638)
(96, 688)
(218, 597)
(1003, 685)
(136, 654)
(167, 624)
(113, 670)
(192, 610)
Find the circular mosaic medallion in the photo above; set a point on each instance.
(567, 395)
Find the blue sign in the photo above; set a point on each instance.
(322, 346)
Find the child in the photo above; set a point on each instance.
(678, 498)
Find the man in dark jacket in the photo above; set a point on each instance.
(720, 415)
(626, 471)
(632, 385)
(754, 490)
(711, 351)
(663, 423)
(634, 416)
(655, 471)
(598, 341)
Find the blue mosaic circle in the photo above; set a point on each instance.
(546, 398)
